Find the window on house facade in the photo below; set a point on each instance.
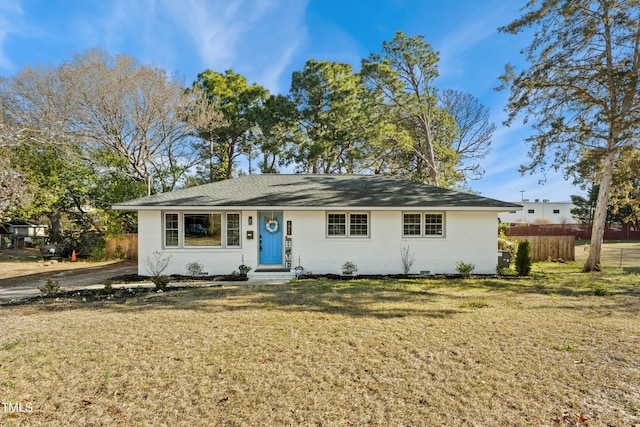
(359, 225)
(423, 224)
(171, 231)
(202, 229)
(412, 224)
(233, 229)
(556, 211)
(348, 224)
(337, 224)
(531, 211)
(433, 224)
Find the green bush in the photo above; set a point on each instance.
(98, 252)
(505, 244)
(523, 258)
(51, 287)
(118, 253)
(465, 269)
(244, 269)
(600, 291)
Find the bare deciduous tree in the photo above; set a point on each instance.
(128, 118)
(132, 113)
(473, 141)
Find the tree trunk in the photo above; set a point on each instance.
(600, 215)
(55, 234)
(212, 164)
(429, 156)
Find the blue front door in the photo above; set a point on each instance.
(270, 238)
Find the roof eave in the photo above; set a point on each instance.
(313, 208)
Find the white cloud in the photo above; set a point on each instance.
(271, 76)
(213, 27)
(10, 17)
(257, 38)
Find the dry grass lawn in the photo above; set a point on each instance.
(540, 351)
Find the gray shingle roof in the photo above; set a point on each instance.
(316, 191)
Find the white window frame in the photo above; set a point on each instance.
(164, 230)
(227, 229)
(347, 224)
(423, 226)
(224, 244)
(419, 223)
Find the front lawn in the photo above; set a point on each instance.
(559, 348)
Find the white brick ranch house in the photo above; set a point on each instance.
(273, 222)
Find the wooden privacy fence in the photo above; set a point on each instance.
(550, 247)
(123, 246)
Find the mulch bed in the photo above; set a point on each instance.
(182, 282)
(401, 276)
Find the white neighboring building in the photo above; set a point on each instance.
(540, 212)
(272, 222)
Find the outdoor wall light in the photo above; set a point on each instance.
(250, 220)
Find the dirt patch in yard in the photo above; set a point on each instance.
(22, 273)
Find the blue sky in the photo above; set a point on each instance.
(266, 40)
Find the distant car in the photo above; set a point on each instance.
(196, 229)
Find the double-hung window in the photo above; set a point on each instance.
(348, 224)
(433, 224)
(412, 224)
(358, 225)
(423, 224)
(171, 230)
(233, 230)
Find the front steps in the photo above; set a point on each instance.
(272, 276)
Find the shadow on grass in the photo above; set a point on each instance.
(356, 298)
